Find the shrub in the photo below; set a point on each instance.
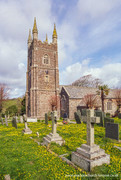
(11, 110)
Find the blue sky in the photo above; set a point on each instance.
(89, 39)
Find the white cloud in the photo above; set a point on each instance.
(16, 17)
(83, 28)
(73, 72)
(96, 8)
(110, 74)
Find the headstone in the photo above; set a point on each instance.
(100, 114)
(77, 118)
(90, 155)
(46, 119)
(108, 120)
(6, 121)
(16, 119)
(54, 136)
(112, 131)
(26, 130)
(21, 119)
(14, 123)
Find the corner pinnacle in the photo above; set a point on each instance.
(54, 32)
(35, 26)
(29, 38)
(46, 39)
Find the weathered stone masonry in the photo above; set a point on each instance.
(42, 74)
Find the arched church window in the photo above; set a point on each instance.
(46, 59)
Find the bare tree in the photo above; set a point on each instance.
(3, 94)
(87, 81)
(90, 100)
(54, 102)
(117, 95)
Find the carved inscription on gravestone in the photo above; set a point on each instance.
(112, 131)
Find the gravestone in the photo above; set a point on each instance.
(16, 119)
(6, 120)
(14, 123)
(90, 155)
(112, 131)
(26, 130)
(54, 136)
(65, 118)
(21, 119)
(83, 112)
(77, 118)
(108, 120)
(46, 119)
(100, 114)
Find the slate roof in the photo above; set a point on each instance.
(79, 92)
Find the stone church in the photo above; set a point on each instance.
(42, 77)
(42, 81)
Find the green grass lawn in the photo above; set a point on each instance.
(23, 158)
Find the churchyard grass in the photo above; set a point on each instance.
(23, 158)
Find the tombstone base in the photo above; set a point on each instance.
(27, 131)
(88, 157)
(53, 138)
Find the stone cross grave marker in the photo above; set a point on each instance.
(6, 121)
(54, 122)
(26, 130)
(14, 123)
(54, 136)
(90, 155)
(90, 119)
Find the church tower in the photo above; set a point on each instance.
(42, 77)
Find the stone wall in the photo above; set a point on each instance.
(114, 106)
(73, 103)
(42, 78)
